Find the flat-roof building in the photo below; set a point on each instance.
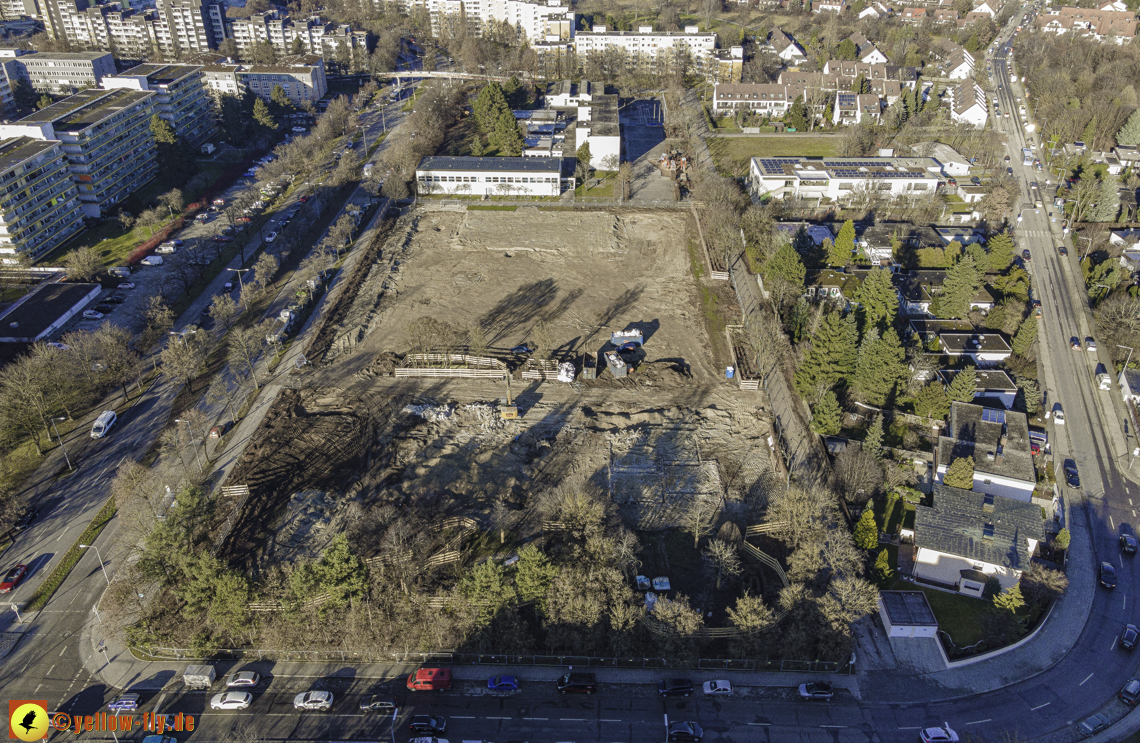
(302, 78)
(106, 139)
(44, 310)
(180, 97)
(841, 178)
(492, 176)
(598, 127)
(907, 614)
(66, 72)
(39, 206)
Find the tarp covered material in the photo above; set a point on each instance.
(566, 372)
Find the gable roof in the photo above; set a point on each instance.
(959, 523)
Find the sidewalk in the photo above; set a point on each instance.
(123, 671)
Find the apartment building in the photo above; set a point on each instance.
(491, 176)
(186, 26)
(538, 21)
(39, 207)
(302, 78)
(65, 72)
(105, 137)
(968, 104)
(771, 99)
(841, 178)
(173, 27)
(181, 97)
(11, 73)
(316, 36)
(645, 45)
(1115, 26)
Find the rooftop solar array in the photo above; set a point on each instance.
(993, 416)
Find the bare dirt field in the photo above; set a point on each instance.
(582, 274)
(355, 448)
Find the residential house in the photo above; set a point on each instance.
(968, 104)
(771, 99)
(854, 109)
(959, 65)
(970, 194)
(1128, 239)
(917, 289)
(913, 16)
(785, 47)
(944, 16)
(994, 386)
(952, 163)
(865, 51)
(828, 6)
(998, 441)
(837, 287)
(817, 232)
(1128, 155)
(960, 235)
(966, 537)
(875, 11)
(984, 349)
(1130, 385)
(1115, 26)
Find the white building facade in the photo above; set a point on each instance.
(491, 176)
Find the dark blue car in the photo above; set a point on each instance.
(503, 683)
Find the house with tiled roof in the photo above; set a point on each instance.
(965, 537)
(913, 15)
(968, 104)
(917, 289)
(998, 441)
(993, 385)
(785, 47)
(1115, 26)
(865, 51)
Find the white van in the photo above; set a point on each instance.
(104, 423)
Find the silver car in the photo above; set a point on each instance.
(243, 678)
(231, 700)
(314, 700)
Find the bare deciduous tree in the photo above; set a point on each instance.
(244, 349)
(82, 264)
(721, 560)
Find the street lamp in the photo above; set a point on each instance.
(1086, 255)
(91, 546)
(1129, 355)
(61, 446)
(181, 334)
(239, 272)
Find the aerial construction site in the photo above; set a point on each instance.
(440, 392)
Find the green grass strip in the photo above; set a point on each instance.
(52, 583)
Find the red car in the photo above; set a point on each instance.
(303, 199)
(245, 219)
(13, 578)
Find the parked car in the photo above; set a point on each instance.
(685, 732)
(976, 180)
(243, 678)
(125, 285)
(1058, 414)
(1063, 250)
(92, 315)
(1025, 256)
(299, 130)
(817, 691)
(675, 688)
(577, 683)
(1072, 477)
(1107, 575)
(231, 700)
(942, 734)
(1129, 636)
(377, 704)
(425, 679)
(313, 700)
(427, 724)
(12, 578)
(523, 349)
(271, 237)
(1090, 344)
(219, 430)
(152, 260)
(26, 518)
(124, 703)
(1130, 694)
(718, 688)
(1128, 544)
(105, 307)
(503, 683)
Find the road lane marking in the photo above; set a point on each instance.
(1086, 679)
(461, 717)
(1111, 523)
(572, 719)
(605, 720)
(498, 718)
(1034, 709)
(48, 674)
(766, 724)
(979, 722)
(842, 726)
(530, 718)
(916, 727)
(1113, 644)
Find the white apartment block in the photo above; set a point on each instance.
(302, 78)
(316, 35)
(66, 72)
(39, 207)
(491, 176)
(841, 178)
(645, 44)
(106, 139)
(538, 21)
(181, 97)
(968, 104)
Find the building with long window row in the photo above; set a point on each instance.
(39, 206)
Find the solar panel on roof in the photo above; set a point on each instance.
(993, 416)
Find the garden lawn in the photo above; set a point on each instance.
(107, 239)
(733, 154)
(958, 616)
